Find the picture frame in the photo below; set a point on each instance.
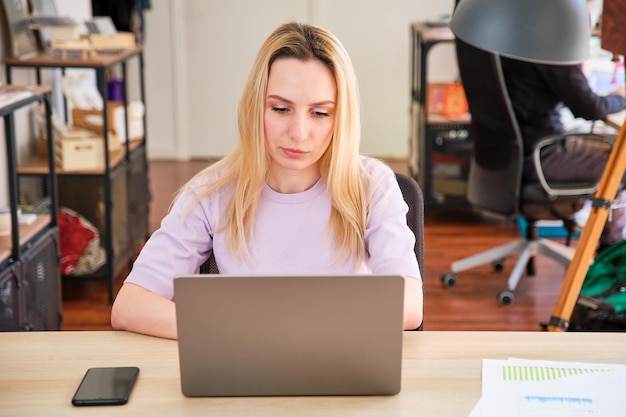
(101, 25)
(45, 8)
(22, 41)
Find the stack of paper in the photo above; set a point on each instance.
(520, 388)
(8, 96)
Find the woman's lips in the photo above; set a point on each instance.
(294, 153)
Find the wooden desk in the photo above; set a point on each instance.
(616, 120)
(441, 374)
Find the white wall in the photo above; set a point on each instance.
(160, 83)
(223, 37)
(377, 36)
(198, 54)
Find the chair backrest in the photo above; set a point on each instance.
(414, 217)
(495, 175)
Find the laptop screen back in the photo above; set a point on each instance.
(283, 335)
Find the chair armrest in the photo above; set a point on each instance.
(569, 188)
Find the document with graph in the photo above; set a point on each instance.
(521, 388)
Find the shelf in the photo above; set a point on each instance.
(38, 165)
(30, 280)
(26, 233)
(9, 105)
(48, 59)
(440, 118)
(440, 145)
(114, 196)
(432, 34)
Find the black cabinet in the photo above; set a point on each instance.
(30, 290)
(440, 146)
(10, 316)
(40, 288)
(115, 198)
(30, 281)
(138, 195)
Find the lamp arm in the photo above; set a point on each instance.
(583, 256)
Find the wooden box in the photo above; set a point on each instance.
(116, 42)
(92, 120)
(79, 150)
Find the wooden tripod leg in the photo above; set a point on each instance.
(609, 184)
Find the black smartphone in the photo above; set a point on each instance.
(106, 386)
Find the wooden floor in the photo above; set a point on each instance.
(449, 235)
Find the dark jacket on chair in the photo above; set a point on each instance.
(538, 91)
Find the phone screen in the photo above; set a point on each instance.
(106, 386)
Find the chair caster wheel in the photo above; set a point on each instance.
(498, 265)
(448, 280)
(505, 297)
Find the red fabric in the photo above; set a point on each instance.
(73, 240)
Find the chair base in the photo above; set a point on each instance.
(526, 249)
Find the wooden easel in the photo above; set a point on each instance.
(614, 40)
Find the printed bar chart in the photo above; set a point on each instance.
(542, 373)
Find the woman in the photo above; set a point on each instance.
(294, 197)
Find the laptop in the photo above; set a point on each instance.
(289, 335)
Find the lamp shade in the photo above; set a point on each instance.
(544, 31)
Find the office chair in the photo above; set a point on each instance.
(414, 217)
(495, 178)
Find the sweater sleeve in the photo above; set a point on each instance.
(572, 87)
(180, 245)
(389, 240)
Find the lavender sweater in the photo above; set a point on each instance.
(290, 237)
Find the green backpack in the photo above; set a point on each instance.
(601, 305)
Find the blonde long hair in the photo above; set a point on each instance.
(245, 168)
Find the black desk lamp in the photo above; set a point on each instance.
(549, 32)
(553, 32)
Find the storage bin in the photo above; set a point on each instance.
(546, 228)
(79, 150)
(92, 119)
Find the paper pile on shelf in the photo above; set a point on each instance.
(8, 96)
(520, 388)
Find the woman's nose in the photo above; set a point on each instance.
(298, 128)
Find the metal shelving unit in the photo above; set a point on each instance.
(30, 281)
(115, 198)
(440, 146)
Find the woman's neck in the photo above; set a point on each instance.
(292, 181)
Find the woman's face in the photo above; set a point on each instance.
(299, 120)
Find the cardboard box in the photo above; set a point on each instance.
(450, 186)
(41, 144)
(79, 150)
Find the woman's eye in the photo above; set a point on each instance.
(321, 113)
(279, 109)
